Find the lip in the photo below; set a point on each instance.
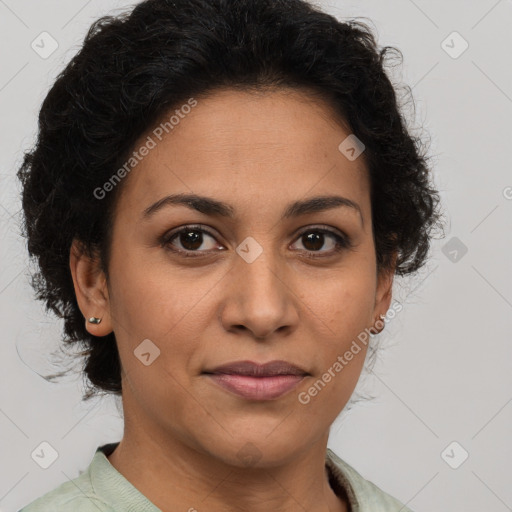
(254, 381)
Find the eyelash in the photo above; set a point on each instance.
(342, 242)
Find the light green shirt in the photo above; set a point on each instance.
(101, 488)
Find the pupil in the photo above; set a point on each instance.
(316, 239)
(194, 240)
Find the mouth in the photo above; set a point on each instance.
(259, 382)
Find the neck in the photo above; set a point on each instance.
(175, 476)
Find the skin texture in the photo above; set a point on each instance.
(183, 433)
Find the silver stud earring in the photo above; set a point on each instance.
(94, 320)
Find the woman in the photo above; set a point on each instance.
(218, 201)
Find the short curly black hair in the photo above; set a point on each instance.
(135, 67)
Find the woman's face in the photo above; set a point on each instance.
(264, 283)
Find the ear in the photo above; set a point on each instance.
(90, 289)
(384, 293)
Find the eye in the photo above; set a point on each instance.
(190, 238)
(314, 239)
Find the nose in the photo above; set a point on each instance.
(259, 298)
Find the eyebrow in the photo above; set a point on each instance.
(213, 207)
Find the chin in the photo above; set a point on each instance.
(257, 450)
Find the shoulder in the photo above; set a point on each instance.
(363, 494)
(77, 495)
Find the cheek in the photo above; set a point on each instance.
(339, 315)
(339, 359)
(155, 299)
(342, 305)
(155, 319)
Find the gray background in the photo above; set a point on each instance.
(444, 372)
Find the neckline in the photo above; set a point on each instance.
(340, 482)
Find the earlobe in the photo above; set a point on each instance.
(90, 290)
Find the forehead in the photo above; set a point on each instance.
(236, 144)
